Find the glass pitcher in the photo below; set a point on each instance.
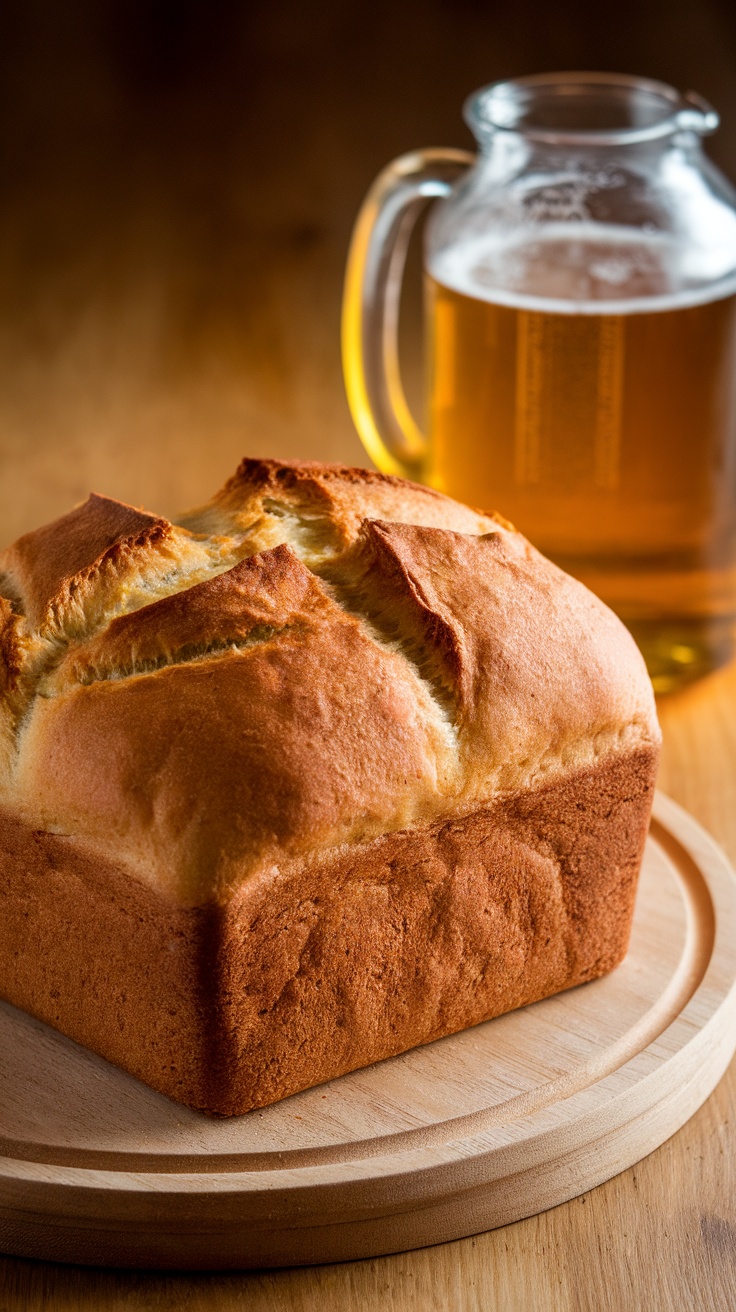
(581, 343)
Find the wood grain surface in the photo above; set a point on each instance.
(484, 1127)
(176, 206)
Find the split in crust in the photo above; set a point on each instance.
(330, 768)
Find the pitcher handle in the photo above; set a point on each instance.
(370, 308)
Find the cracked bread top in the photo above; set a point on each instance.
(317, 656)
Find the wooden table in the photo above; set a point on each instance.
(660, 1236)
(171, 268)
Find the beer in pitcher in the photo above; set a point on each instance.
(581, 347)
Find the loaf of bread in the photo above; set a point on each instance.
(327, 769)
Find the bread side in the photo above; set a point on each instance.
(106, 960)
(327, 964)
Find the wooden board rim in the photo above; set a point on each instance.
(613, 1122)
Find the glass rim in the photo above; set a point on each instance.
(500, 107)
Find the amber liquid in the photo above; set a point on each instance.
(609, 439)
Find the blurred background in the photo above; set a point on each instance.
(178, 181)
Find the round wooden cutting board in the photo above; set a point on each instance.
(468, 1133)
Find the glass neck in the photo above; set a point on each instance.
(586, 110)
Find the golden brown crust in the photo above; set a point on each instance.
(11, 666)
(100, 957)
(424, 933)
(11, 648)
(326, 965)
(204, 771)
(252, 600)
(318, 508)
(314, 477)
(49, 565)
(467, 662)
(538, 670)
